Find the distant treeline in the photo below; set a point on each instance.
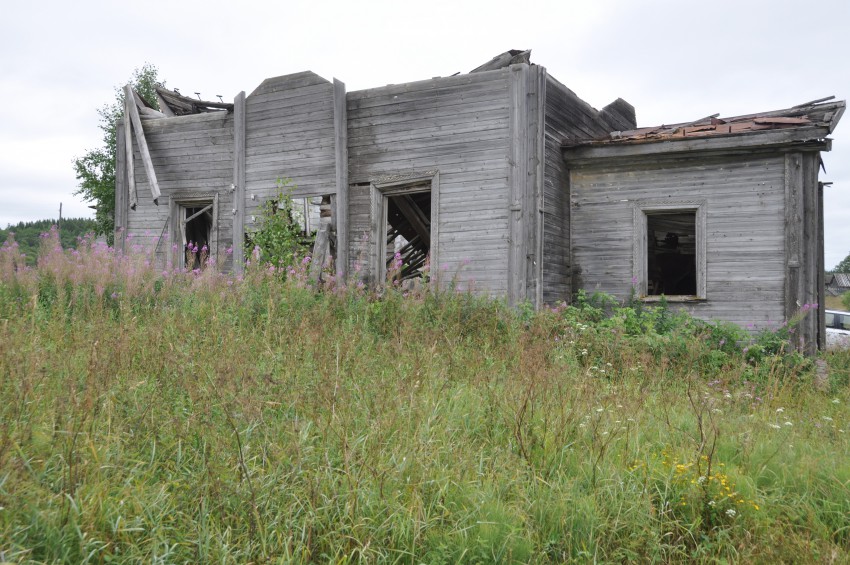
(27, 234)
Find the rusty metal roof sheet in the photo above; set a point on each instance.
(823, 113)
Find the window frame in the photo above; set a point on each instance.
(380, 191)
(640, 252)
(179, 202)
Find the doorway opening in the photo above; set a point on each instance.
(196, 226)
(407, 233)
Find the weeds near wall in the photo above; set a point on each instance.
(277, 240)
(199, 417)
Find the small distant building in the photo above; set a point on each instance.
(501, 178)
(836, 284)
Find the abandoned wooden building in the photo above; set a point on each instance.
(501, 179)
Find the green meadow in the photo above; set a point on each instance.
(180, 417)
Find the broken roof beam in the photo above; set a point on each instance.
(136, 121)
(164, 107)
(506, 59)
(414, 216)
(180, 105)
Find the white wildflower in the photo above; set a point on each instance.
(731, 513)
(827, 418)
(836, 401)
(780, 410)
(788, 424)
(701, 479)
(775, 426)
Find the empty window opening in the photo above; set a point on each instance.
(671, 253)
(307, 213)
(407, 227)
(197, 226)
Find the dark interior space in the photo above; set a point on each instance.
(671, 254)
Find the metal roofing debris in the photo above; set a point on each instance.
(817, 113)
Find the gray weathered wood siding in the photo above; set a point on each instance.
(191, 155)
(459, 126)
(289, 134)
(359, 223)
(744, 198)
(567, 117)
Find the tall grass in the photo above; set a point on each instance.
(199, 417)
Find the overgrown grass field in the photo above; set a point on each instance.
(201, 418)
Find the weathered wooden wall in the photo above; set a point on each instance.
(459, 126)
(289, 134)
(803, 246)
(567, 118)
(192, 155)
(744, 198)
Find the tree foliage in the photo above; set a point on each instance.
(28, 234)
(278, 238)
(96, 169)
(843, 266)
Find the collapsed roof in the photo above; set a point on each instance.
(821, 114)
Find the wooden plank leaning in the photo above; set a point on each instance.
(133, 110)
(320, 253)
(128, 148)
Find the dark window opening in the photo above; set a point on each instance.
(197, 235)
(671, 253)
(408, 234)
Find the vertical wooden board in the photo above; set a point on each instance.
(121, 195)
(129, 155)
(341, 171)
(518, 179)
(239, 193)
(793, 232)
(811, 248)
(821, 291)
(539, 184)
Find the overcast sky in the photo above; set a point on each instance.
(674, 61)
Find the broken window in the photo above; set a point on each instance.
(306, 212)
(404, 228)
(670, 250)
(407, 228)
